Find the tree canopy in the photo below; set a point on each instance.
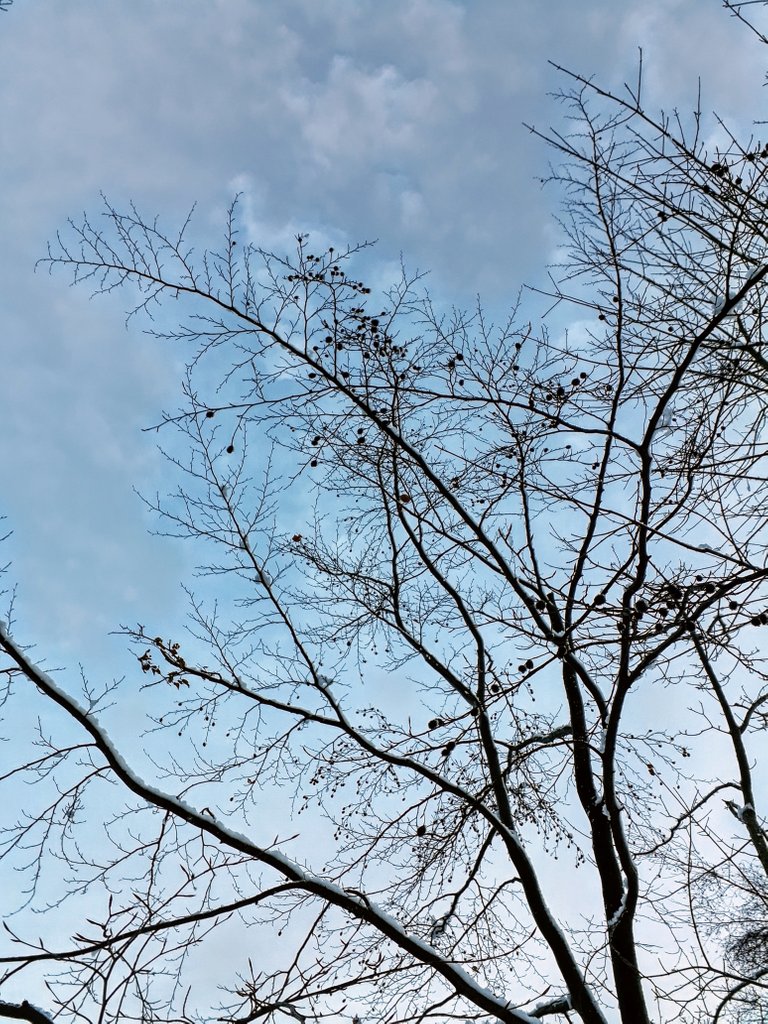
(469, 718)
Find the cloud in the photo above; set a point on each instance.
(359, 117)
(398, 121)
(686, 44)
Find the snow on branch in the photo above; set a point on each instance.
(24, 1011)
(357, 905)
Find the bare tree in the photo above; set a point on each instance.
(747, 12)
(468, 718)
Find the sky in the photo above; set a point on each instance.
(401, 121)
(351, 119)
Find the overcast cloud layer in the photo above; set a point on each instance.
(400, 121)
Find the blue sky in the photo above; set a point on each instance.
(350, 118)
(401, 121)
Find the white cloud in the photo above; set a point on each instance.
(397, 121)
(359, 117)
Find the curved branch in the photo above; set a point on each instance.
(357, 906)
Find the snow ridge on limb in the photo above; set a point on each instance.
(356, 905)
(24, 1010)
